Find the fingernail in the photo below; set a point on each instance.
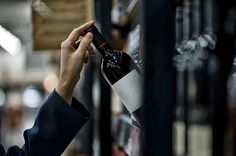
(89, 35)
(92, 21)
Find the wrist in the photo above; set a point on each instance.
(65, 90)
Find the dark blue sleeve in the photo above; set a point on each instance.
(55, 126)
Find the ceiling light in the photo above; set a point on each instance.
(9, 42)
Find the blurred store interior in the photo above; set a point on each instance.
(186, 50)
(27, 77)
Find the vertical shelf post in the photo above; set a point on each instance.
(159, 76)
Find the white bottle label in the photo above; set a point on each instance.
(200, 140)
(178, 138)
(128, 89)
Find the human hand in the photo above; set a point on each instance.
(73, 58)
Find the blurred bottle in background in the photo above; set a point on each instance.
(230, 133)
(230, 137)
(197, 75)
(12, 126)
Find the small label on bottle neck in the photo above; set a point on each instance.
(102, 45)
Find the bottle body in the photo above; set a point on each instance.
(122, 74)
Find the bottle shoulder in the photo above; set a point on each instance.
(116, 57)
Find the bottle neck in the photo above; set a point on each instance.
(186, 20)
(104, 49)
(179, 24)
(209, 21)
(99, 41)
(196, 18)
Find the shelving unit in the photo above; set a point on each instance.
(156, 19)
(159, 81)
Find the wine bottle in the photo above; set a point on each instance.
(178, 122)
(121, 73)
(197, 73)
(230, 135)
(203, 93)
(230, 130)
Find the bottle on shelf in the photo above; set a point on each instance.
(197, 73)
(128, 137)
(230, 135)
(230, 129)
(121, 72)
(182, 60)
(178, 122)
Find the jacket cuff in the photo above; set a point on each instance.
(76, 108)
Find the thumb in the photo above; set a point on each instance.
(84, 45)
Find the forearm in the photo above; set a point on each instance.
(55, 126)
